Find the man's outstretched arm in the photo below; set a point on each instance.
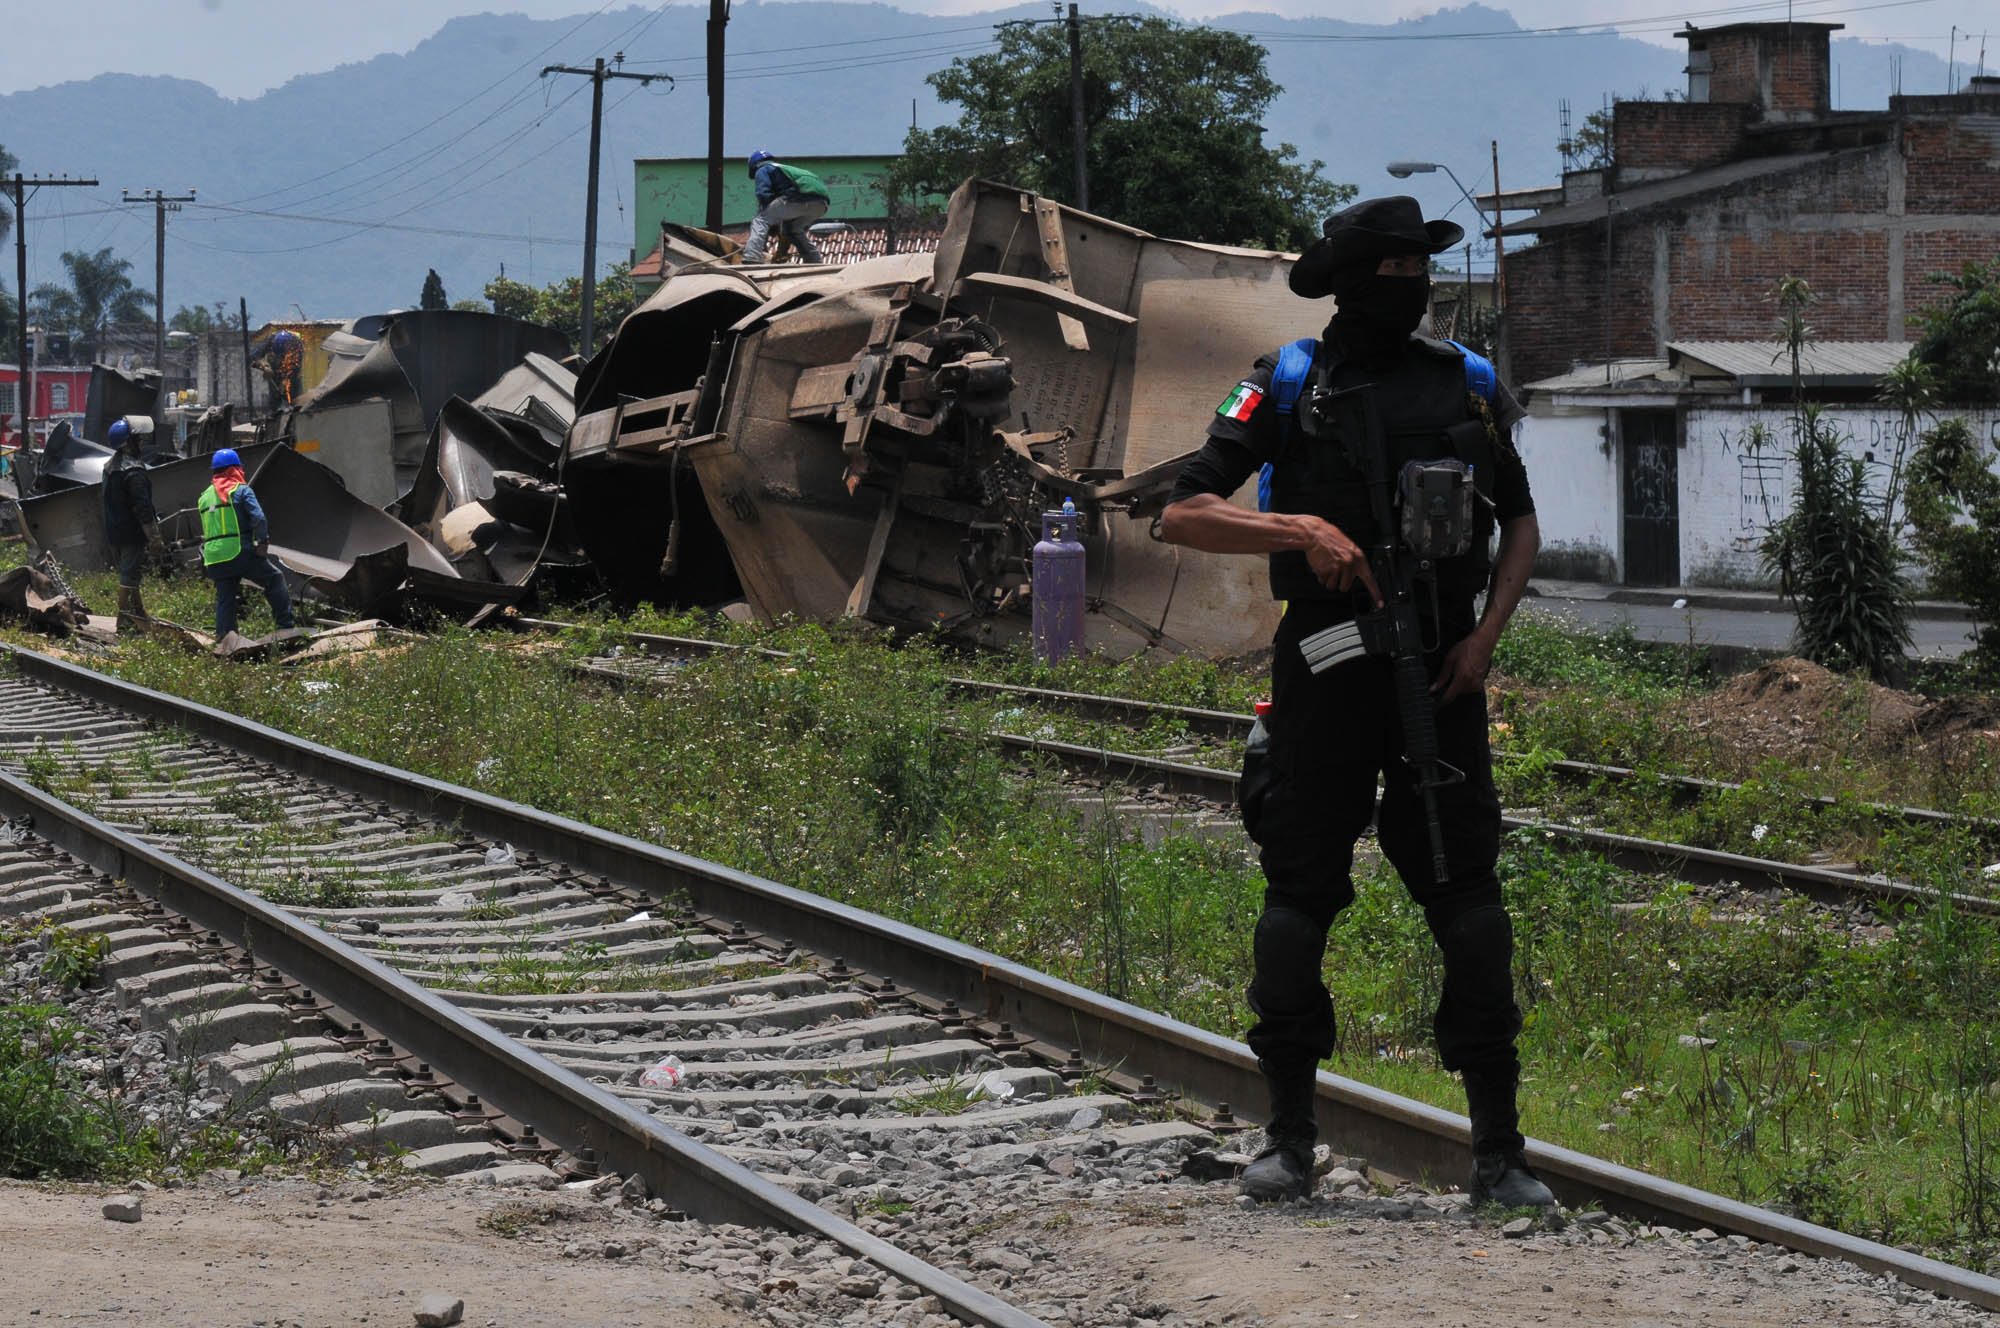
(1213, 524)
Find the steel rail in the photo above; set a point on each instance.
(1228, 724)
(1689, 863)
(564, 1106)
(1398, 1135)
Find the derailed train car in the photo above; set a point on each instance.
(881, 439)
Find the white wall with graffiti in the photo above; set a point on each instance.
(1728, 491)
(1573, 471)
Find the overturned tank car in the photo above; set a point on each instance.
(881, 439)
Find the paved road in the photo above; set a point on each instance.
(1753, 628)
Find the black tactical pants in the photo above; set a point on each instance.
(1307, 803)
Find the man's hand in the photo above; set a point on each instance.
(1336, 560)
(1465, 667)
(155, 546)
(264, 549)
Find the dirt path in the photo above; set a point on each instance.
(276, 1255)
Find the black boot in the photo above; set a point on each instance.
(1284, 1169)
(1500, 1173)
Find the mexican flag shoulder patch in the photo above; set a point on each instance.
(1241, 403)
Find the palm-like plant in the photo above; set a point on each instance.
(100, 292)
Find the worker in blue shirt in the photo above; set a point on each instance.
(280, 357)
(229, 511)
(789, 199)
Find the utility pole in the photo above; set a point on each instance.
(718, 20)
(243, 325)
(1077, 137)
(596, 76)
(20, 185)
(1500, 348)
(162, 204)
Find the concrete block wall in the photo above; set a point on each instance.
(1681, 135)
(1866, 227)
(1731, 494)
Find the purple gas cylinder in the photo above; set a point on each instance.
(1058, 592)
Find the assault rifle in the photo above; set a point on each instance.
(1433, 498)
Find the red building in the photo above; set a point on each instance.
(61, 391)
(1708, 201)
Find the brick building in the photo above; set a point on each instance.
(1707, 202)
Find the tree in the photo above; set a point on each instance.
(8, 164)
(470, 306)
(100, 292)
(1836, 557)
(195, 319)
(1960, 340)
(433, 296)
(1173, 118)
(559, 305)
(1955, 524)
(9, 331)
(514, 299)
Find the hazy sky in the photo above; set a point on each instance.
(242, 47)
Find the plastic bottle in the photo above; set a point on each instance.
(667, 1074)
(1069, 507)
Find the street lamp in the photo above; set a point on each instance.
(1403, 170)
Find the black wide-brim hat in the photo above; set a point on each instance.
(1362, 236)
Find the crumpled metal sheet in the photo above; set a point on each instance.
(420, 359)
(70, 524)
(826, 466)
(68, 462)
(115, 393)
(539, 390)
(487, 497)
(37, 594)
(358, 555)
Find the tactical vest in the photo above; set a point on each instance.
(221, 531)
(1421, 398)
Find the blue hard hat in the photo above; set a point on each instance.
(226, 457)
(118, 433)
(758, 158)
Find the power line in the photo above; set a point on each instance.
(1608, 28)
(163, 203)
(21, 184)
(438, 119)
(597, 75)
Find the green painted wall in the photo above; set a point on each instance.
(676, 189)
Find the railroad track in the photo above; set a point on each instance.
(1225, 726)
(653, 660)
(825, 1024)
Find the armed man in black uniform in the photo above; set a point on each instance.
(1386, 424)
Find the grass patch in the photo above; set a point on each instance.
(1766, 1051)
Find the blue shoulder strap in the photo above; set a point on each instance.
(1287, 381)
(1480, 376)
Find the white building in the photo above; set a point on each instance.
(1648, 472)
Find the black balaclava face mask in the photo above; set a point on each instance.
(1375, 314)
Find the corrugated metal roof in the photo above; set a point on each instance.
(1583, 377)
(860, 240)
(1762, 363)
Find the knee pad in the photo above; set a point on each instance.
(1477, 1020)
(1289, 947)
(1476, 939)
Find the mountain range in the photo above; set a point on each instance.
(332, 194)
